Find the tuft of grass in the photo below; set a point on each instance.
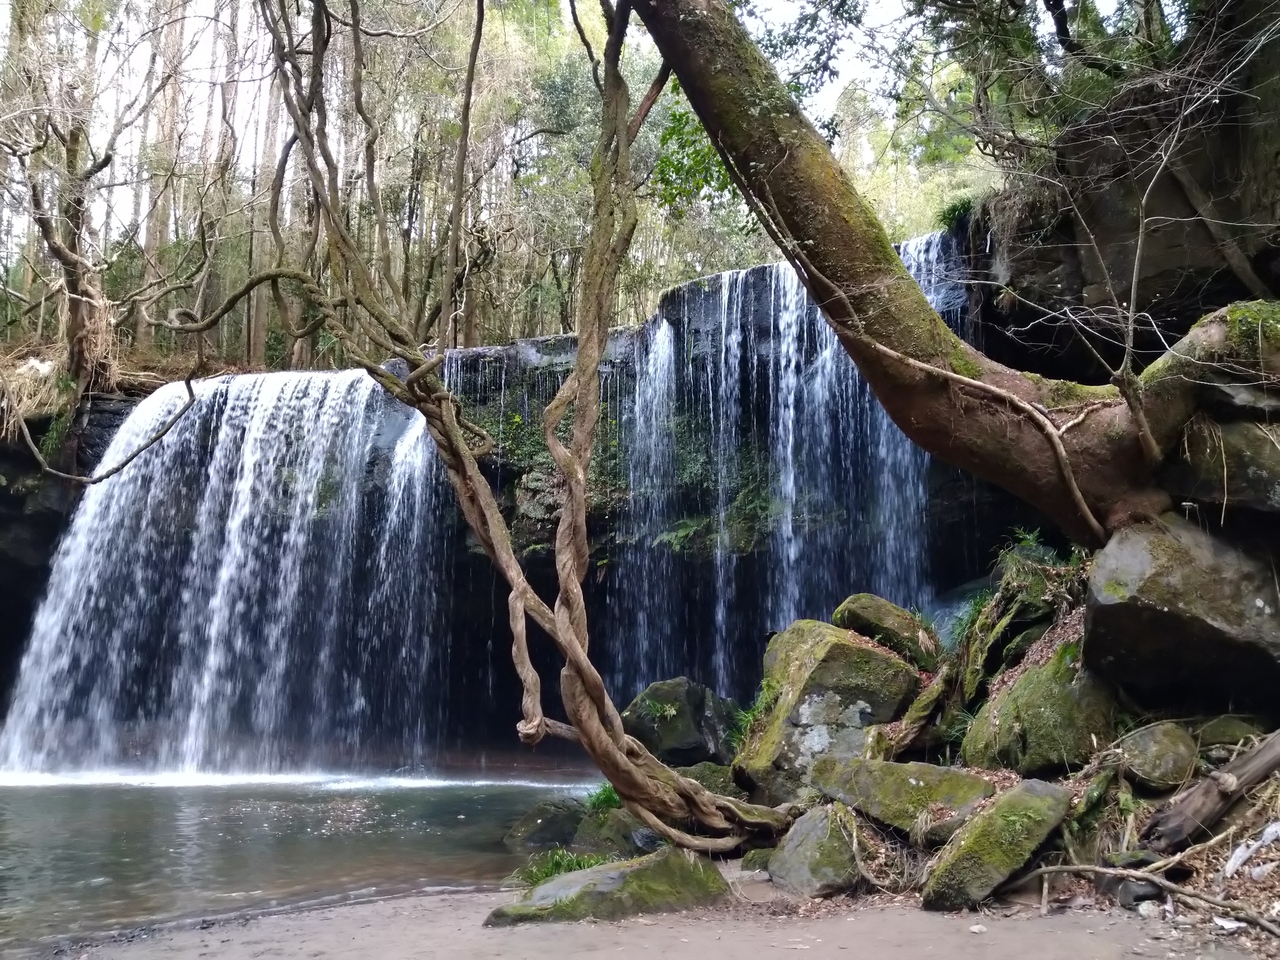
(957, 212)
(603, 798)
(551, 863)
(658, 711)
(744, 720)
(969, 619)
(56, 435)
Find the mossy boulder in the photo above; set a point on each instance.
(715, 777)
(1160, 757)
(816, 857)
(682, 723)
(552, 823)
(757, 859)
(926, 801)
(1236, 463)
(828, 685)
(614, 832)
(1227, 731)
(994, 845)
(891, 626)
(1051, 719)
(1180, 619)
(671, 879)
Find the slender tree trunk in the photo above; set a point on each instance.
(448, 308)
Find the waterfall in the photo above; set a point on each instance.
(813, 493)
(284, 582)
(217, 606)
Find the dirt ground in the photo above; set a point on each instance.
(449, 928)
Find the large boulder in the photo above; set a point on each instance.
(890, 626)
(816, 858)
(671, 879)
(926, 801)
(616, 833)
(1161, 756)
(1236, 463)
(715, 777)
(682, 723)
(1052, 718)
(829, 685)
(552, 823)
(994, 845)
(1179, 618)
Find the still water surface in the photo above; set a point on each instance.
(90, 854)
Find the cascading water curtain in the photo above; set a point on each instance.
(247, 595)
(785, 485)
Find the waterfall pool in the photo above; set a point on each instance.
(90, 853)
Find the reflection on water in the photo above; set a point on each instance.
(96, 853)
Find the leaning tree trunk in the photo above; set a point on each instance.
(1074, 452)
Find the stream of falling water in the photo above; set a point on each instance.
(281, 584)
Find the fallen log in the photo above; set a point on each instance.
(1194, 811)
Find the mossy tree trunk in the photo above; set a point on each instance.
(1074, 452)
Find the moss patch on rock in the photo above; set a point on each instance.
(1227, 731)
(671, 879)
(830, 686)
(757, 859)
(926, 801)
(994, 845)
(682, 722)
(1053, 718)
(715, 777)
(552, 823)
(1160, 757)
(816, 858)
(614, 832)
(890, 626)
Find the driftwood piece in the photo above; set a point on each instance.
(1194, 811)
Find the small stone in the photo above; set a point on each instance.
(977, 928)
(1149, 910)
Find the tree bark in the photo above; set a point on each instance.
(1073, 452)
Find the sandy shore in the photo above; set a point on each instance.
(449, 928)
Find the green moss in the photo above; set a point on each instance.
(1253, 326)
(964, 365)
(671, 879)
(715, 778)
(757, 859)
(608, 833)
(994, 845)
(911, 797)
(1067, 393)
(1053, 718)
(814, 660)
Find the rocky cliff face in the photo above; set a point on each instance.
(1057, 251)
